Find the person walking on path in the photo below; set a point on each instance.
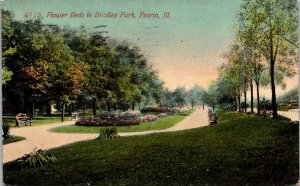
(210, 115)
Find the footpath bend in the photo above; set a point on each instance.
(40, 137)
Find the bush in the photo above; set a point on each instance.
(244, 105)
(6, 130)
(34, 159)
(108, 133)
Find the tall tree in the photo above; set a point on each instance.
(275, 24)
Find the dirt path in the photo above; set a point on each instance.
(42, 138)
(198, 118)
(293, 114)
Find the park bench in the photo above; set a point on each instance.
(76, 115)
(22, 119)
(212, 117)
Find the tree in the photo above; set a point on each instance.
(195, 95)
(210, 96)
(274, 23)
(7, 49)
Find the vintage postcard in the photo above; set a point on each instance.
(148, 92)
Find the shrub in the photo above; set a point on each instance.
(6, 130)
(34, 159)
(244, 105)
(108, 133)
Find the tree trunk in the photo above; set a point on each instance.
(62, 112)
(251, 88)
(235, 104)
(84, 107)
(69, 110)
(32, 110)
(94, 106)
(48, 109)
(239, 102)
(73, 107)
(257, 95)
(108, 105)
(274, 104)
(245, 100)
(132, 106)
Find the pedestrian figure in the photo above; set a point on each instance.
(210, 114)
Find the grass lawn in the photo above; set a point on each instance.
(240, 150)
(12, 139)
(39, 120)
(159, 124)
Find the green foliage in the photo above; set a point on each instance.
(34, 159)
(50, 64)
(6, 130)
(108, 133)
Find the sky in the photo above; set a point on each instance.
(185, 48)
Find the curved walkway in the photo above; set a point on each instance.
(42, 138)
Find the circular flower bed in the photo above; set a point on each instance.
(107, 122)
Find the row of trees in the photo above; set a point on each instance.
(181, 97)
(46, 64)
(263, 53)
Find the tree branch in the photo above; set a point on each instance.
(290, 42)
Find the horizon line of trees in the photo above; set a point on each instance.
(263, 53)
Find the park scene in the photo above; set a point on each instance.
(145, 93)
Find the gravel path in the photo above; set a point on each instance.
(42, 138)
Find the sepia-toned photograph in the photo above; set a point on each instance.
(150, 92)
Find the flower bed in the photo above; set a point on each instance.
(148, 118)
(119, 115)
(156, 109)
(108, 122)
(161, 115)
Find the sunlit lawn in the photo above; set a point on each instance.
(239, 150)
